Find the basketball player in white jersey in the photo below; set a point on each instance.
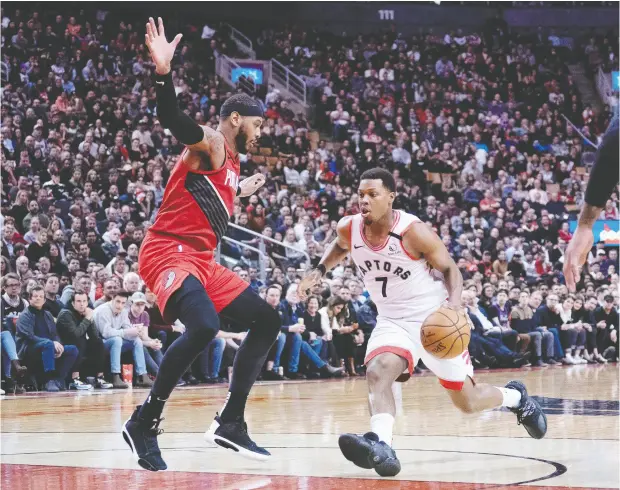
(409, 274)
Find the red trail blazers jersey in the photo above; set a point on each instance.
(192, 219)
(198, 204)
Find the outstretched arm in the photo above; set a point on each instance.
(421, 241)
(603, 178)
(335, 252)
(183, 128)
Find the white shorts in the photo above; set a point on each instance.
(402, 338)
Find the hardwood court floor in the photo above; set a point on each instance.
(72, 441)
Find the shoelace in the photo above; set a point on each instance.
(527, 410)
(151, 440)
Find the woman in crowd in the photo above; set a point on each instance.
(315, 334)
(344, 337)
(572, 334)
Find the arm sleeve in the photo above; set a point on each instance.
(180, 125)
(604, 174)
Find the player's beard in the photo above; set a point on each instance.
(241, 140)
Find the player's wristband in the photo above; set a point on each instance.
(322, 269)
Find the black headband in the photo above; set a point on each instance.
(242, 109)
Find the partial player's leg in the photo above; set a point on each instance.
(229, 429)
(373, 449)
(456, 375)
(193, 307)
(389, 354)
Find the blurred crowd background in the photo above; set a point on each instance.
(486, 133)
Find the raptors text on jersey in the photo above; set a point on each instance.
(400, 285)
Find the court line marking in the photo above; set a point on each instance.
(323, 434)
(559, 468)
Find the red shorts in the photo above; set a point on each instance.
(164, 263)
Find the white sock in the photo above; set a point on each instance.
(512, 398)
(382, 424)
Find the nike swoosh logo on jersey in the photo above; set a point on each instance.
(358, 246)
(160, 83)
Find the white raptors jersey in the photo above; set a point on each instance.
(402, 287)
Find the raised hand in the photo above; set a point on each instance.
(161, 50)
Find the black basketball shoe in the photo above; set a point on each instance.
(234, 435)
(141, 437)
(368, 452)
(529, 413)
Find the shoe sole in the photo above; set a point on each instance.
(213, 440)
(142, 462)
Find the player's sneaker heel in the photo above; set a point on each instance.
(234, 436)
(368, 452)
(529, 412)
(142, 440)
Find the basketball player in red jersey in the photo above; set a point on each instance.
(177, 262)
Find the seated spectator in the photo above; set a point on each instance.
(120, 336)
(110, 288)
(522, 321)
(131, 283)
(499, 313)
(350, 318)
(333, 318)
(52, 303)
(272, 297)
(548, 317)
(607, 323)
(487, 351)
(588, 320)
(12, 303)
(290, 312)
(292, 321)
(572, 333)
(367, 317)
(39, 344)
(76, 327)
(140, 319)
(314, 333)
(81, 282)
(11, 367)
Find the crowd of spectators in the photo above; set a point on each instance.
(473, 127)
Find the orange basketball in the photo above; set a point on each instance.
(445, 334)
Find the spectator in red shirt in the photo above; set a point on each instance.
(489, 204)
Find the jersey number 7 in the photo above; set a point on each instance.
(384, 280)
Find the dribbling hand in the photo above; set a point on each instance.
(161, 50)
(307, 283)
